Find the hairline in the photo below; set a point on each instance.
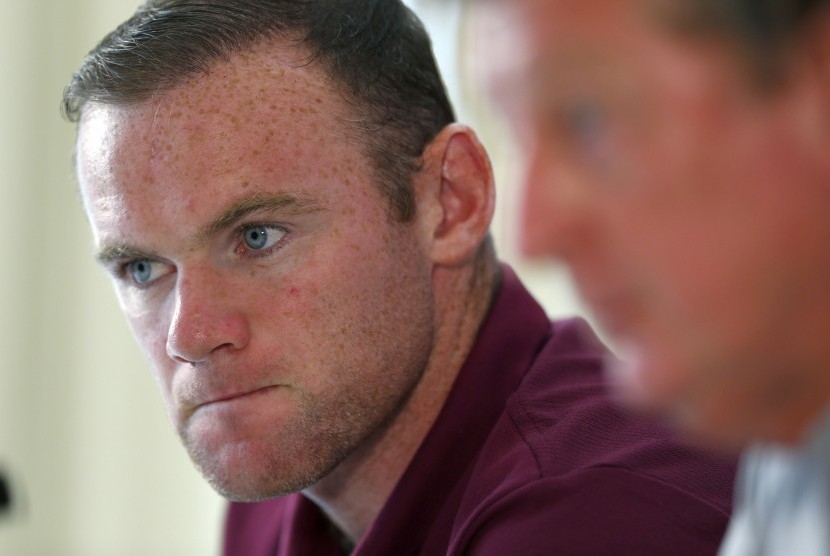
(762, 52)
(354, 107)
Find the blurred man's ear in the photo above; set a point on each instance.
(455, 194)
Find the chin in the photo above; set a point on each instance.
(681, 394)
(251, 477)
(254, 489)
(649, 383)
(255, 470)
(634, 383)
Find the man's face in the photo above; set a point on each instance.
(689, 206)
(286, 315)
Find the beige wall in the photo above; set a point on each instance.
(82, 428)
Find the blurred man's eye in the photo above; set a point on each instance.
(583, 123)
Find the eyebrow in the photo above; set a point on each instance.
(290, 205)
(120, 251)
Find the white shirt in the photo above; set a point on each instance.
(783, 500)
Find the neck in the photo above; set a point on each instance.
(355, 492)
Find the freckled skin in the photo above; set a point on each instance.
(340, 321)
(693, 214)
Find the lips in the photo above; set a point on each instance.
(227, 398)
(201, 396)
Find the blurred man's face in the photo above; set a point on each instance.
(691, 208)
(286, 314)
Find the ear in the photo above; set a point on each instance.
(456, 195)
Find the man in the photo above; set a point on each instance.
(678, 162)
(297, 232)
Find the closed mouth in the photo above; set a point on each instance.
(236, 396)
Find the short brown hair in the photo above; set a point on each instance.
(376, 52)
(762, 29)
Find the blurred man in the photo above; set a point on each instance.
(679, 162)
(297, 232)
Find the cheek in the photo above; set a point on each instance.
(150, 329)
(706, 262)
(352, 290)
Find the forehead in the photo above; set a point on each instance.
(256, 94)
(603, 46)
(553, 19)
(521, 41)
(264, 120)
(571, 30)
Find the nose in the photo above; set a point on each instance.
(555, 209)
(206, 318)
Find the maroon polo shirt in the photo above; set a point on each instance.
(528, 456)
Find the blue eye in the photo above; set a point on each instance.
(584, 121)
(261, 237)
(144, 271)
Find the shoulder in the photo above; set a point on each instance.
(565, 468)
(603, 510)
(565, 416)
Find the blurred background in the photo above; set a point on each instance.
(93, 466)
